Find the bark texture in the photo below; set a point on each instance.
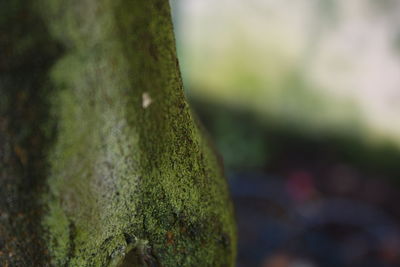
(101, 162)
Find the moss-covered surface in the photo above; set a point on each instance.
(130, 178)
(27, 52)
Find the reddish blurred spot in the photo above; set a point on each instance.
(300, 186)
(277, 260)
(391, 250)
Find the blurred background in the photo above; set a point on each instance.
(302, 99)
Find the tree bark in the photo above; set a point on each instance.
(101, 161)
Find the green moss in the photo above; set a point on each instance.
(28, 51)
(123, 177)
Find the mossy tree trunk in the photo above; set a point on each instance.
(101, 162)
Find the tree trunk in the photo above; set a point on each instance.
(101, 162)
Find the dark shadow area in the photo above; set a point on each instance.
(26, 130)
(307, 199)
